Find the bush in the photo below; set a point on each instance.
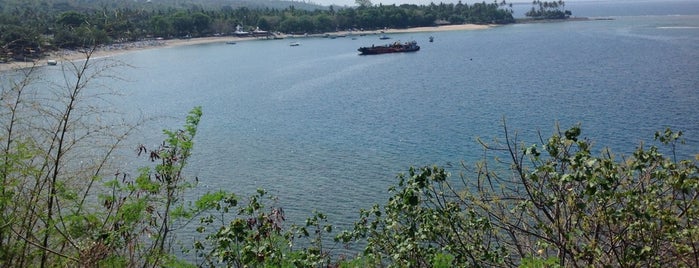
(549, 203)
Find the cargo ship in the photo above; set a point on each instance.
(390, 48)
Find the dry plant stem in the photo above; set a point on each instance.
(17, 89)
(46, 249)
(61, 136)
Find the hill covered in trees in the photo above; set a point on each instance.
(88, 5)
(28, 28)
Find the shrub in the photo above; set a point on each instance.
(549, 203)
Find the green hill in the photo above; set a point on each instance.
(85, 5)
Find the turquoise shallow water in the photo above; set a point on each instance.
(326, 129)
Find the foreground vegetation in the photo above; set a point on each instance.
(556, 202)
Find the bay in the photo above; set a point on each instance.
(325, 129)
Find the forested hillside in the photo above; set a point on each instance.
(30, 28)
(87, 5)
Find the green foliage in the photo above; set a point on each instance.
(45, 220)
(561, 204)
(26, 26)
(314, 255)
(363, 3)
(442, 260)
(256, 236)
(535, 262)
(19, 40)
(72, 19)
(592, 210)
(45, 217)
(83, 36)
(548, 10)
(423, 224)
(134, 219)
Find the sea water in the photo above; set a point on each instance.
(326, 129)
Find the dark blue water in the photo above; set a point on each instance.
(326, 129)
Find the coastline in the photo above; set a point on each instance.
(118, 49)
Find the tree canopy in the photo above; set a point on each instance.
(45, 27)
(548, 10)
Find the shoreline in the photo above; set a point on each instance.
(122, 48)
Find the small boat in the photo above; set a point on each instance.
(384, 37)
(431, 39)
(294, 44)
(390, 48)
(231, 42)
(51, 62)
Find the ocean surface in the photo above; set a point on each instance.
(325, 129)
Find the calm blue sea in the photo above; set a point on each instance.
(325, 129)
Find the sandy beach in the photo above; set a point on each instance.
(117, 49)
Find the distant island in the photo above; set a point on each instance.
(30, 29)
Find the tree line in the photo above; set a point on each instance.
(28, 30)
(548, 10)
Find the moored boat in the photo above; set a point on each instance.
(390, 48)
